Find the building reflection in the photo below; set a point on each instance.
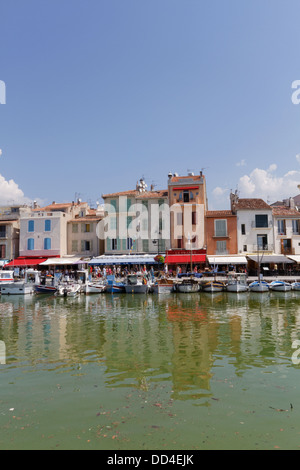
(179, 339)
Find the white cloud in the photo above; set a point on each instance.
(219, 193)
(10, 193)
(241, 163)
(267, 185)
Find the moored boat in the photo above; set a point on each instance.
(188, 285)
(280, 286)
(163, 286)
(213, 286)
(23, 286)
(296, 285)
(259, 286)
(113, 285)
(136, 284)
(237, 283)
(95, 288)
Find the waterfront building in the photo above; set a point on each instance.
(287, 229)
(10, 231)
(82, 238)
(136, 221)
(43, 231)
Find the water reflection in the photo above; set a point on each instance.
(140, 340)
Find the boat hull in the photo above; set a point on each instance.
(213, 287)
(296, 285)
(259, 287)
(236, 288)
(45, 289)
(95, 288)
(280, 286)
(137, 289)
(163, 288)
(186, 288)
(18, 289)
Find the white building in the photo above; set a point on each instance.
(255, 232)
(287, 229)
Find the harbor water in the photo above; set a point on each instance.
(150, 372)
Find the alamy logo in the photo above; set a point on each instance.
(2, 353)
(2, 92)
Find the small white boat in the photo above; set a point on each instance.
(68, 289)
(6, 277)
(213, 286)
(296, 285)
(188, 285)
(163, 286)
(95, 288)
(280, 286)
(24, 286)
(237, 283)
(136, 284)
(259, 286)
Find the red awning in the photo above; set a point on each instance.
(185, 259)
(25, 262)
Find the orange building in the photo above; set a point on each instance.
(221, 233)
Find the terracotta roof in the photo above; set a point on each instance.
(225, 213)
(138, 194)
(285, 211)
(58, 206)
(178, 179)
(251, 204)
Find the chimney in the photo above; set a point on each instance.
(292, 203)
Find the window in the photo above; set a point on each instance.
(75, 245)
(179, 218)
(47, 225)
(129, 244)
(221, 247)
(186, 196)
(3, 251)
(74, 228)
(47, 243)
(281, 226)
(3, 231)
(262, 242)
(179, 243)
(296, 224)
(30, 244)
(220, 228)
(243, 229)
(86, 245)
(261, 220)
(145, 245)
(194, 218)
(114, 244)
(31, 226)
(245, 248)
(87, 228)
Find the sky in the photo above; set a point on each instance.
(100, 93)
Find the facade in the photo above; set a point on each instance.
(136, 221)
(188, 204)
(43, 232)
(254, 225)
(82, 233)
(286, 230)
(221, 233)
(10, 231)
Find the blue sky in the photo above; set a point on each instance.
(102, 92)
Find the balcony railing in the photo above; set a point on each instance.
(262, 248)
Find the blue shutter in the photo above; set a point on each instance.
(30, 244)
(31, 226)
(47, 243)
(47, 225)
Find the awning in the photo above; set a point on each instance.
(273, 259)
(123, 259)
(227, 260)
(23, 261)
(61, 261)
(185, 259)
(295, 258)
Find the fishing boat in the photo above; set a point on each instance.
(23, 286)
(136, 284)
(259, 286)
(213, 286)
(113, 285)
(6, 277)
(163, 286)
(237, 283)
(95, 287)
(296, 285)
(46, 286)
(188, 285)
(280, 286)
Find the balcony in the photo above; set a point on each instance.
(262, 248)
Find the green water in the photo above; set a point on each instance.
(172, 372)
